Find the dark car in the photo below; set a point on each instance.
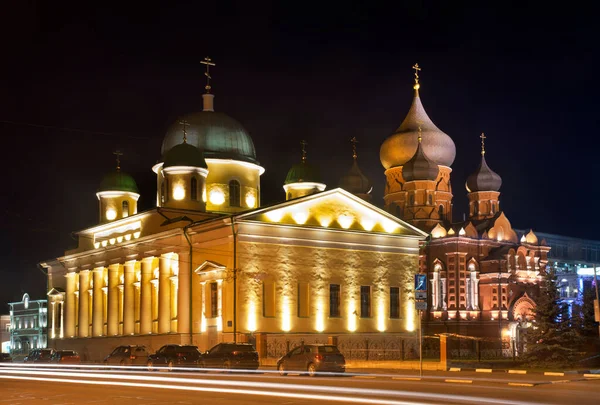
(172, 356)
(311, 359)
(39, 356)
(128, 355)
(231, 356)
(65, 357)
(5, 358)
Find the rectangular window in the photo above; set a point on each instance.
(214, 297)
(268, 299)
(394, 302)
(365, 301)
(334, 300)
(303, 300)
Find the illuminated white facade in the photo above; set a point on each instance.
(28, 322)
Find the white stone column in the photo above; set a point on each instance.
(164, 295)
(113, 300)
(84, 299)
(475, 289)
(62, 317)
(53, 314)
(184, 301)
(97, 314)
(435, 291)
(128, 299)
(70, 300)
(444, 294)
(146, 297)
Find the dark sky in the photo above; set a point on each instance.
(77, 82)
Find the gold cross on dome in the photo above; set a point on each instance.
(185, 124)
(417, 70)
(354, 142)
(118, 154)
(482, 136)
(208, 62)
(303, 143)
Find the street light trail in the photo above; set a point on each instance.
(215, 384)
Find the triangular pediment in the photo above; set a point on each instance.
(334, 209)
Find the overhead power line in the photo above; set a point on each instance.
(75, 130)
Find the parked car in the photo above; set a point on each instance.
(171, 356)
(312, 359)
(65, 357)
(5, 358)
(39, 356)
(231, 356)
(128, 355)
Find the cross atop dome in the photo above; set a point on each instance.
(417, 70)
(303, 143)
(354, 142)
(482, 136)
(118, 154)
(185, 124)
(208, 62)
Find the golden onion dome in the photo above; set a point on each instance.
(401, 146)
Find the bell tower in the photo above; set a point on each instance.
(483, 189)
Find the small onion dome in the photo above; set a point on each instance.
(355, 181)
(303, 172)
(185, 154)
(420, 167)
(484, 179)
(118, 181)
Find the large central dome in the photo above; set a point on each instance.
(216, 134)
(400, 147)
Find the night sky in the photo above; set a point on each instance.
(79, 82)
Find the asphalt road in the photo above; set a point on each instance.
(25, 385)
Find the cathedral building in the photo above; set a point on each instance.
(483, 280)
(210, 263)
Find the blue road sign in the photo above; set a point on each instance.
(420, 282)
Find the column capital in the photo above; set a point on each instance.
(98, 269)
(148, 259)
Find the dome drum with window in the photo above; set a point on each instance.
(182, 178)
(118, 195)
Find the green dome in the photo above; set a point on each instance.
(216, 134)
(303, 172)
(184, 154)
(118, 181)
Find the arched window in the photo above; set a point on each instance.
(441, 212)
(194, 189)
(411, 199)
(234, 193)
(162, 193)
(492, 208)
(289, 196)
(125, 209)
(430, 199)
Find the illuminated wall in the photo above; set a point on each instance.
(319, 267)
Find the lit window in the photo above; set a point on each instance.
(334, 300)
(395, 302)
(162, 193)
(365, 301)
(194, 189)
(234, 193)
(214, 297)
